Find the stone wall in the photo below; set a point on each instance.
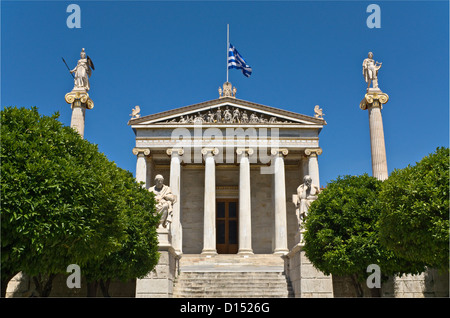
(428, 284)
(22, 285)
(191, 209)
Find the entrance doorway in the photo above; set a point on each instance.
(227, 226)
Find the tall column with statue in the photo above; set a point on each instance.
(373, 101)
(78, 98)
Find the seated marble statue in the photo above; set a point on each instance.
(306, 193)
(164, 200)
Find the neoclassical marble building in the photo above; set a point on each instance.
(234, 166)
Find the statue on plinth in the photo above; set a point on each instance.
(370, 71)
(83, 72)
(306, 193)
(164, 201)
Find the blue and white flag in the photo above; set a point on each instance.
(236, 61)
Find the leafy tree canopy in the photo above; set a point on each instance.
(414, 221)
(342, 230)
(62, 201)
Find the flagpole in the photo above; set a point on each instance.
(228, 45)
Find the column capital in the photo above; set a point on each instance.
(374, 100)
(144, 151)
(313, 152)
(214, 151)
(279, 151)
(176, 151)
(244, 151)
(76, 98)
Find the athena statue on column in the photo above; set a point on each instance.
(83, 72)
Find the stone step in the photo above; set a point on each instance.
(231, 263)
(232, 284)
(232, 276)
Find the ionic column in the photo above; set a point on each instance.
(79, 102)
(373, 102)
(313, 165)
(280, 202)
(141, 164)
(209, 217)
(245, 216)
(175, 175)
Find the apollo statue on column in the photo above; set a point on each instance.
(370, 71)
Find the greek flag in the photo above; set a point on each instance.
(236, 61)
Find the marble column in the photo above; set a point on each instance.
(175, 175)
(141, 164)
(378, 148)
(79, 101)
(313, 165)
(280, 202)
(245, 216)
(209, 217)
(373, 102)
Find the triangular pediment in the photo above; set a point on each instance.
(226, 111)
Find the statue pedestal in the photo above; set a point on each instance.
(159, 282)
(306, 280)
(164, 237)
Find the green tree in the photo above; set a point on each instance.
(139, 252)
(414, 221)
(59, 199)
(342, 232)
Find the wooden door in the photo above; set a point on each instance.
(227, 226)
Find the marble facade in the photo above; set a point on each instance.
(229, 148)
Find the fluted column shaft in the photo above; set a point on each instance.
(245, 216)
(175, 178)
(280, 202)
(209, 217)
(141, 164)
(78, 117)
(378, 148)
(313, 165)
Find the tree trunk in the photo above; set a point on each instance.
(92, 289)
(357, 285)
(375, 292)
(104, 286)
(43, 284)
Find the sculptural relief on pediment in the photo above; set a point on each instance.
(226, 115)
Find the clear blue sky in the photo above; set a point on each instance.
(164, 55)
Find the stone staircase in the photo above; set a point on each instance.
(232, 276)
